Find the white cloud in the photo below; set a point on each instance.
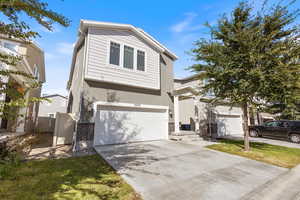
(49, 56)
(184, 24)
(65, 48)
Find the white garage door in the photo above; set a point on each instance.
(116, 125)
(230, 125)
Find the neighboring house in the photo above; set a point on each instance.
(48, 112)
(121, 79)
(56, 103)
(32, 62)
(195, 113)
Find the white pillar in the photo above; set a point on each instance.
(21, 119)
(176, 114)
(197, 125)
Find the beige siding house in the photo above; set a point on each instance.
(56, 103)
(33, 63)
(121, 80)
(195, 113)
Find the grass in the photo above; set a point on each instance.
(88, 178)
(272, 154)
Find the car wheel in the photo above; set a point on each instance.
(295, 138)
(253, 133)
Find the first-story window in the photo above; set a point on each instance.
(114, 57)
(128, 57)
(140, 60)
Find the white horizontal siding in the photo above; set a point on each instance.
(98, 67)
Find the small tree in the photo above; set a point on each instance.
(15, 27)
(251, 59)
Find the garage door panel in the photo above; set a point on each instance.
(116, 125)
(229, 125)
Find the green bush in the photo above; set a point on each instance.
(9, 159)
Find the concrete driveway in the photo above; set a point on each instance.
(168, 170)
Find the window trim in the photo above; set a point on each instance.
(133, 57)
(121, 59)
(36, 72)
(49, 115)
(120, 53)
(137, 50)
(10, 42)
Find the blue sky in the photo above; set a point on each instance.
(176, 24)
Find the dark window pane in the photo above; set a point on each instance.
(114, 53)
(141, 60)
(128, 57)
(297, 124)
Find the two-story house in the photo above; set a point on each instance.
(195, 112)
(32, 62)
(121, 79)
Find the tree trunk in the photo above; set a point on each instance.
(246, 126)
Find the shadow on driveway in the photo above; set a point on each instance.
(178, 170)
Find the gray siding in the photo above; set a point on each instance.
(57, 104)
(186, 110)
(99, 69)
(101, 91)
(77, 81)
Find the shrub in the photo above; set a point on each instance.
(9, 159)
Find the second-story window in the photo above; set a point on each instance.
(140, 64)
(10, 45)
(128, 57)
(36, 72)
(114, 57)
(210, 92)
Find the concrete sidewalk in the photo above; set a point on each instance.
(286, 186)
(266, 140)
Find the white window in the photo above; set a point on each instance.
(10, 45)
(140, 63)
(210, 92)
(114, 57)
(36, 72)
(51, 115)
(128, 57)
(131, 58)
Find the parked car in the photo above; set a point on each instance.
(284, 129)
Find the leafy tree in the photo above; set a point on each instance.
(252, 59)
(14, 24)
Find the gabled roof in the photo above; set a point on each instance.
(189, 78)
(84, 24)
(54, 95)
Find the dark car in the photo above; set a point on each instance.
(283, 129)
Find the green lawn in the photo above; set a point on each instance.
(88, 178)
(273, 154)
